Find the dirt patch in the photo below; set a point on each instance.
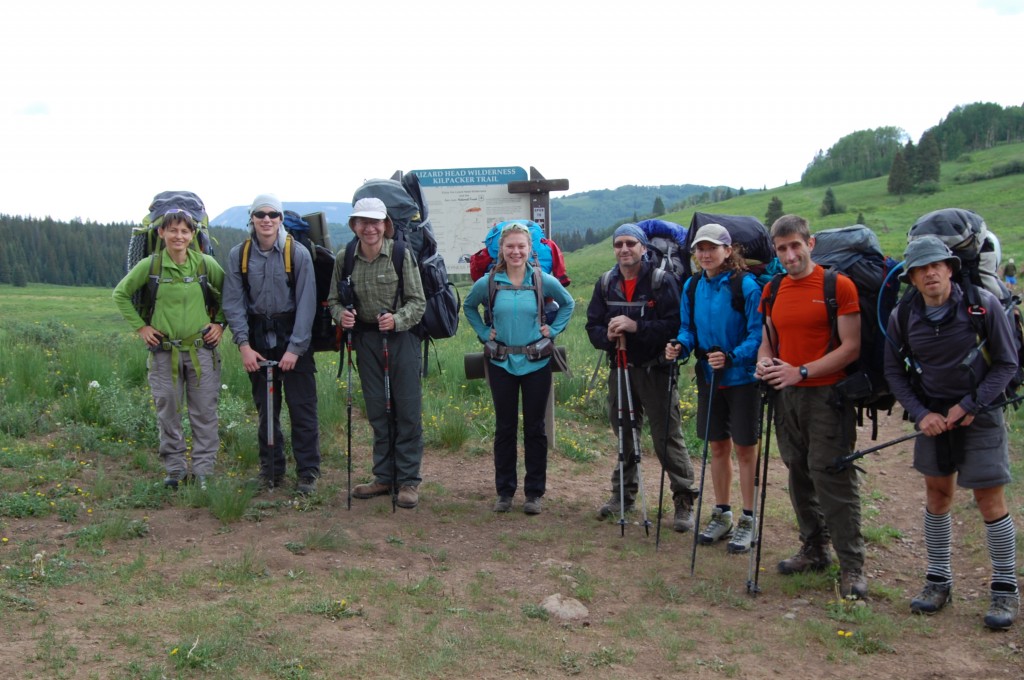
(456, 563)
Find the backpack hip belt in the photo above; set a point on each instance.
(190, 344)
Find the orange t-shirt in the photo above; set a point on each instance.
(800, 319)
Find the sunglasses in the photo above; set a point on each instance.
(259, 214)
(515, 227)
(625, 244)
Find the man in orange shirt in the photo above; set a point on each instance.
(803, 357)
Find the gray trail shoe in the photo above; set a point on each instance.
(683, 521)
(532, 506)
(1002, 611)
(718, 528)
(932, 598)
(742, 536)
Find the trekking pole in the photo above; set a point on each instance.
(673, 375)
(769, 393)
(390, 416)
(348, 410)
(268, 407)
(752, 588)
(841, 463)
(634, 424)
(620, 357)
(703, 468)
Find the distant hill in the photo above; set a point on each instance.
(604, 207)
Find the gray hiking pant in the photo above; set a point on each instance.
(651, 398)
(200, 395)
(404, 425)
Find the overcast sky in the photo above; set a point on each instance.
(104, 104)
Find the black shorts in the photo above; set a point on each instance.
(734, 412)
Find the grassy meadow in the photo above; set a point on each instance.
(103, 573)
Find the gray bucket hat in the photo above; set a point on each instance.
(926, 250)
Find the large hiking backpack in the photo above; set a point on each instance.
(747, 232)
(145, 242)
(855, 252)
(325, 336)
(666, 247)
(408, 212)
(967, 235)
(545, 251)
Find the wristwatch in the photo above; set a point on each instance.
(803, 373)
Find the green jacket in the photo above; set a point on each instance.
(180, 310)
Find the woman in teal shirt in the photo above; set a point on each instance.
(518, 343)
(182, 340)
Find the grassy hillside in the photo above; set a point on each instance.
(1000, 201)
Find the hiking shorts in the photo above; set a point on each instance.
(734, 412)
(984, 460)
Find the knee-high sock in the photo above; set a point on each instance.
(1001, 537)
(938, 538)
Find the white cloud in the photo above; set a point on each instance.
(102, 110)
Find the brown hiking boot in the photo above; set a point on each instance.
(683, 519)
(611, 507)
(408, 497)
(371, 490)
(853, 584)
(810, 557)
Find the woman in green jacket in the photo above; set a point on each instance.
(182, 336)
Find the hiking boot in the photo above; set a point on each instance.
(265, 483)
(201, 482)
(853, 584)
(933, 598)
(171, 482)
(408, 497)
(532, 506)
(718, 528)
(1003, 610)
(682, 521)
(503, 504)
(306, 486)
(742, 536)
(370, 490)
(810, 557)
(611, 507)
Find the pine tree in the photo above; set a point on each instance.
(900, 181)
(928, 158)
(774, 211)
(659, 207)
(19, 278)
(829, 206)
(860, 218)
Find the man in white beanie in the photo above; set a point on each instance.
(271, 312)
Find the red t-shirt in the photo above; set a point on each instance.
(628, 288)
(800, 319)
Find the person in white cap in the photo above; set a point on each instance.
(721, 325)
(950, 400)
(380, 300)
(271, 318)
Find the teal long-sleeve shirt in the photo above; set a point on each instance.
(180, 310)
(515, 316)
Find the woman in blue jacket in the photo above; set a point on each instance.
(725, 341)
(518, 345)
